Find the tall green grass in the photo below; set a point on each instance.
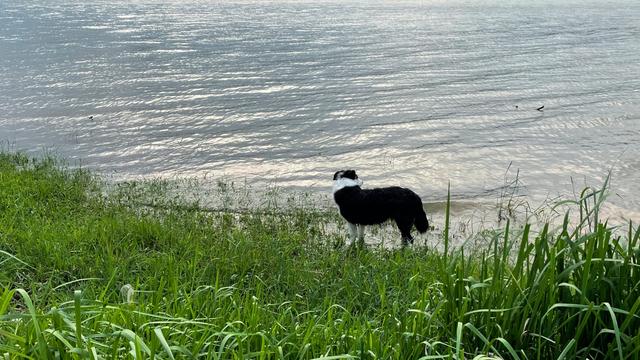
(86, 273)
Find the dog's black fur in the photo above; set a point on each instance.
(374, 206)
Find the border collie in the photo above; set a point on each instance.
(375, 206)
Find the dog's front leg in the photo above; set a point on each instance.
(352, 233)
(361, 235)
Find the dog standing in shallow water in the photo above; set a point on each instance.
(375, 206)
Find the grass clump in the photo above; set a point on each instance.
(89, 274)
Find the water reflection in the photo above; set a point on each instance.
(422, 94)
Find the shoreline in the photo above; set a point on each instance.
(88, 271)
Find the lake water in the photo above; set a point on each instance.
(414, 93)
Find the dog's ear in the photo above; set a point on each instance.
(351, 174)
(335, 176)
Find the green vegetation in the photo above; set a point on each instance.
(90, 273)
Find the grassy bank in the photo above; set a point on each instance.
(86, 273)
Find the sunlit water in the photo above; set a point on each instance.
(418, 94)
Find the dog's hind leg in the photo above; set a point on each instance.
(405, 230)
(352, 233)
(361, 234)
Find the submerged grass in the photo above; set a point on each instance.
(89, 274)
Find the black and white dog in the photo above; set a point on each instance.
(375, 206)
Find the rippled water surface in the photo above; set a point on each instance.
(412, 93)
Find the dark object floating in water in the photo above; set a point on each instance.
(540, 108)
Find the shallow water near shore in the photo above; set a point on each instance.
(418, 94)
(472, 224)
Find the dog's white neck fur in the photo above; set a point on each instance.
(345, 182)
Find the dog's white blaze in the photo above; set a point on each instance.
(345, 182)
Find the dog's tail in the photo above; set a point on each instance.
(421, 222)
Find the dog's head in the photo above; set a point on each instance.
(345, 174)
(345, 178)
